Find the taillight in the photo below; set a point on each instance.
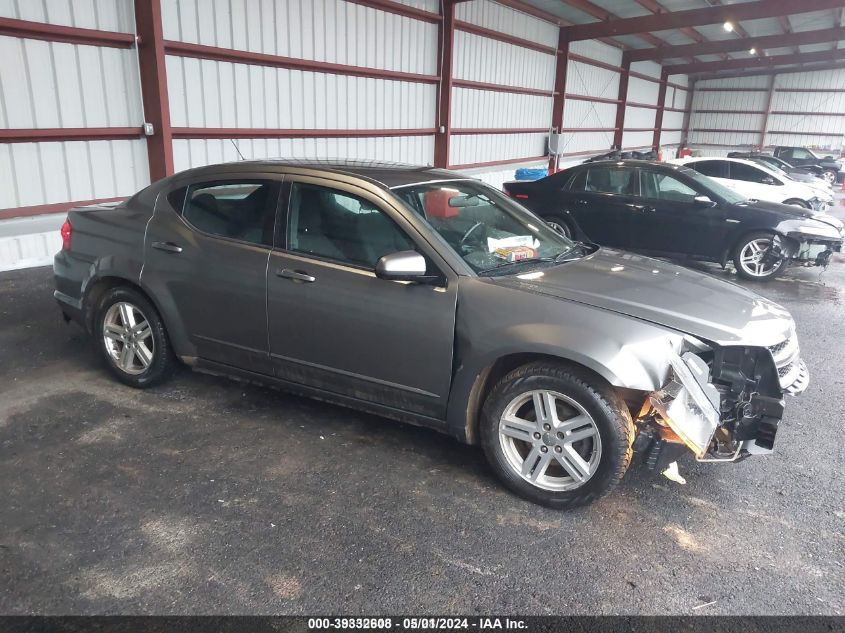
(521, 196)
(67, 232)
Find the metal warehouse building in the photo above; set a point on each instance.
(98, 98)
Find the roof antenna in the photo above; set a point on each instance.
(232, 141)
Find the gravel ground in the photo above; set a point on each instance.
(206, 496)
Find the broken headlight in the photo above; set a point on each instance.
(688, 402)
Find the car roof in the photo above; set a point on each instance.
(631, 162)
(383, 173)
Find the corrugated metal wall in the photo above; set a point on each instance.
(59, 85)
(807, 109)
(217, 94)
(486, 60)
(587, 80)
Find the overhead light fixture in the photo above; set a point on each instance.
(752, 51)
(728, 26)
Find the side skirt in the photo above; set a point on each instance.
(212, 368)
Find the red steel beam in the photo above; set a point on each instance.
(151, 67)
(241, 132)
(575, 97)
(480, 85)
(658, 116)
(782, 70)
(604, 15)
(753, 62)
(559, 101)
(58, 207)
(503, 37)
(400, 9)
(690, 32)
(765, 125)
(623, 100)
(445, 66)
(494, 163)
(201, 51)
(688, 112)
(498, 130)
(734, 45)
(41, 135)
(67, 34)
(697, 17)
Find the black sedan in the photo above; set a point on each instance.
(670, 210)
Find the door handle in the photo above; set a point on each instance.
(296, 275)
(167, 247)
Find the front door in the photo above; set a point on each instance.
(334, 325)
(206, 254)
(671, 221)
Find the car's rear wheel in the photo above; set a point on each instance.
(556, 435)
(131, 336)
(754, 258)
(830, 176)
(558, 224)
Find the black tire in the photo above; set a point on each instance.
(609, 414)
(741, 270)
(559, 224)
(162, 362)
(795, 202)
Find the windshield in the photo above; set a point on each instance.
(487, 229)
(713, 187)
(771, 166)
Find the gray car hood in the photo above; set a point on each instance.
(662, 293)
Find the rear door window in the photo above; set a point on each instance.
(712, 168)
(747, 173)
(243, 210)
(616, 180)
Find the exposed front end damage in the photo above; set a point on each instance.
(807, 243)
(722, 403)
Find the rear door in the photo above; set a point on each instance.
(673, 222)
(605, 203)
(334, 325)
(206, 253)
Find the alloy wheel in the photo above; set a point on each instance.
(550, 440)
(829, 177)
(752, 258)
(557, 226)
(128, 338)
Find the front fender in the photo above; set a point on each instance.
(494, 322)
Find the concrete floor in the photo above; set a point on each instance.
(205, 496)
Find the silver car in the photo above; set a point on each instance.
(421, 295)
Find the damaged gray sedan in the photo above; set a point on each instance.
(423, 296)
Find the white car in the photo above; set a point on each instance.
(758, 182)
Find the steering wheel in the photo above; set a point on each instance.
(470, 231)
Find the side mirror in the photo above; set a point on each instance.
(768, 180)
(404, 266)
(704, 201)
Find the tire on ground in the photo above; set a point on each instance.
(163, 362)
(741, 244)
(601, 402)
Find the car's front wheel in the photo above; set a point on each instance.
(130, 334)
(556, 435)
(755, 259)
